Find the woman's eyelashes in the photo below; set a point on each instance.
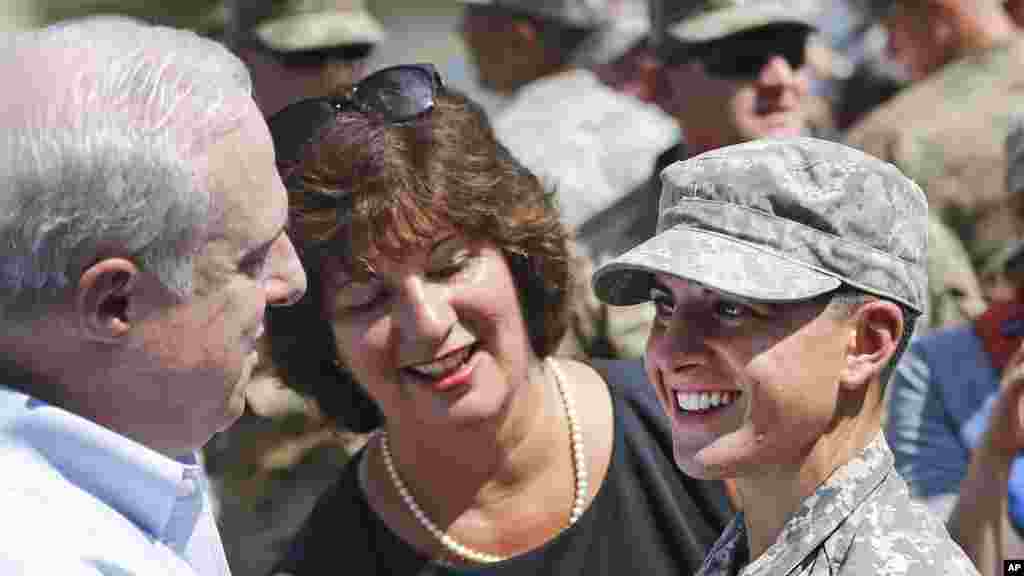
(366, 296)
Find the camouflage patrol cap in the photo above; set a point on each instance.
(781, 220)
(305, 25)
(713, 19)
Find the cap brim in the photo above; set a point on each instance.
(722, 23)
(319, 31)
(719, 262)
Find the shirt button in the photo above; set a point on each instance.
(187, 488)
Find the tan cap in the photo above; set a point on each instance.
(302, 25)
(713, 19)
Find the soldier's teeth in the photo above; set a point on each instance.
(702, 401)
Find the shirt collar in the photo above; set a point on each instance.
(818, 517)
(140, 483)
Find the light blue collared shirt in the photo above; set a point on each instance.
(78, 498)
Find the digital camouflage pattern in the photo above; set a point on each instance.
(782, 220)
(713, 19)
(859, 521)
(947, 133)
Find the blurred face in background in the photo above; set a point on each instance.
(503, 46)
(280, 79)
(918, 40)
(746, 86)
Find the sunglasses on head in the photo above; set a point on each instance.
(392, 95)
(743, 55)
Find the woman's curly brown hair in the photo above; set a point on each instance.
(401, 182)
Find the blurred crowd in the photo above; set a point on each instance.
(597, 98)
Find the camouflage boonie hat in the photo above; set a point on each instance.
(307, 25)
(714, 19)
(779, 221)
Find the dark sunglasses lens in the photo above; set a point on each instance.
(294, 126)
(400, 93)
(746, 55)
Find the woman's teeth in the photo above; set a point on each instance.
(445, 365)
(703, 401)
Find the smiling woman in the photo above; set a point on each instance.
(439, 284)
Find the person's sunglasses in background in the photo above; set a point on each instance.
(743, 55)
(391, 95)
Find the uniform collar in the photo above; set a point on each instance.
(817, 519)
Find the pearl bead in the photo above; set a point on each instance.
(579, 468)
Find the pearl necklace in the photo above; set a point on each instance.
(579, 468)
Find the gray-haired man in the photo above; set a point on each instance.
(142, 236)
(786, 276)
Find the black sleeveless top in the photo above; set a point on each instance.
(647, 517)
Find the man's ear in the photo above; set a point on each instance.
(104, 299)
(875, 331)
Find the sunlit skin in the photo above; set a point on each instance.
(450, 297)
(782, 359)
(170, 368)
(247, 264)
(482, 442)
(806, 377)
(716, 112)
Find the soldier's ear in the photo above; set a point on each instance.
(874, 332)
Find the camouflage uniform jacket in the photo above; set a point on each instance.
(860, 521)
(947, 133)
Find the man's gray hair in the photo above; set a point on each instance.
(106, 123)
